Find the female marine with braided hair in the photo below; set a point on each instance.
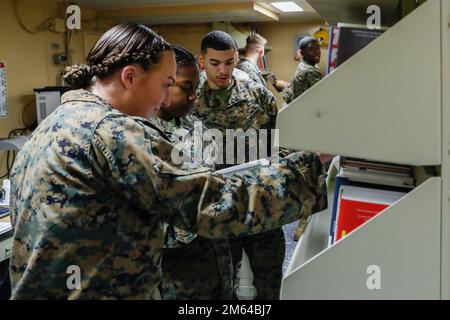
(212, 257)
(93, 186)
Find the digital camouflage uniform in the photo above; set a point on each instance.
(306, 76)
(255, 74)
(238, 74)
(92, 188)
(181, 280)
(252, 70)
(250, 106)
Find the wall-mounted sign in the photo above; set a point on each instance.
(3, 96)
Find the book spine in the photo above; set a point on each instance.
(340, 181)
(378, 178)
(330, 44)
(334, 49)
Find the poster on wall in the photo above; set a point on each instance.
(3, 98)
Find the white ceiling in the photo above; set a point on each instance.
(236, 16)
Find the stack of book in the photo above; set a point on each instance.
(363, 189)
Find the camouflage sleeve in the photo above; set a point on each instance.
(288, 93)
(253, 76)
(256, 79)
(305, 80)
(139, 165)
(252, 202)
(269, 103)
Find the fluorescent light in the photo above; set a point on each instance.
(287, 6)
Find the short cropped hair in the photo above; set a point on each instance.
(217, 40)
(255, 42)
(305, 41)
(183, 57)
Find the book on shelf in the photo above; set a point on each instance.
(347, 162)
(362, 190)
(357, 205)
(345, 42)
(376, 172)
(262, 63)
(381, 178)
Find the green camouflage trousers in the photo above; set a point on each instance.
(199, 270)
(265, 253)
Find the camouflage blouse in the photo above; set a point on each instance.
(92, 188)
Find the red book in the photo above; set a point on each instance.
(357, 205)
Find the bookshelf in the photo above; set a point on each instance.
(389, 103)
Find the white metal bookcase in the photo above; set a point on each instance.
(388, 103)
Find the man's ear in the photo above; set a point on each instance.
(201, 61)
(236, 58)
(128, 76)
(299, 55)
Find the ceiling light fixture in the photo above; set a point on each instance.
(287, 6)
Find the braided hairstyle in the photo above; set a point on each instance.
(122, 45)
